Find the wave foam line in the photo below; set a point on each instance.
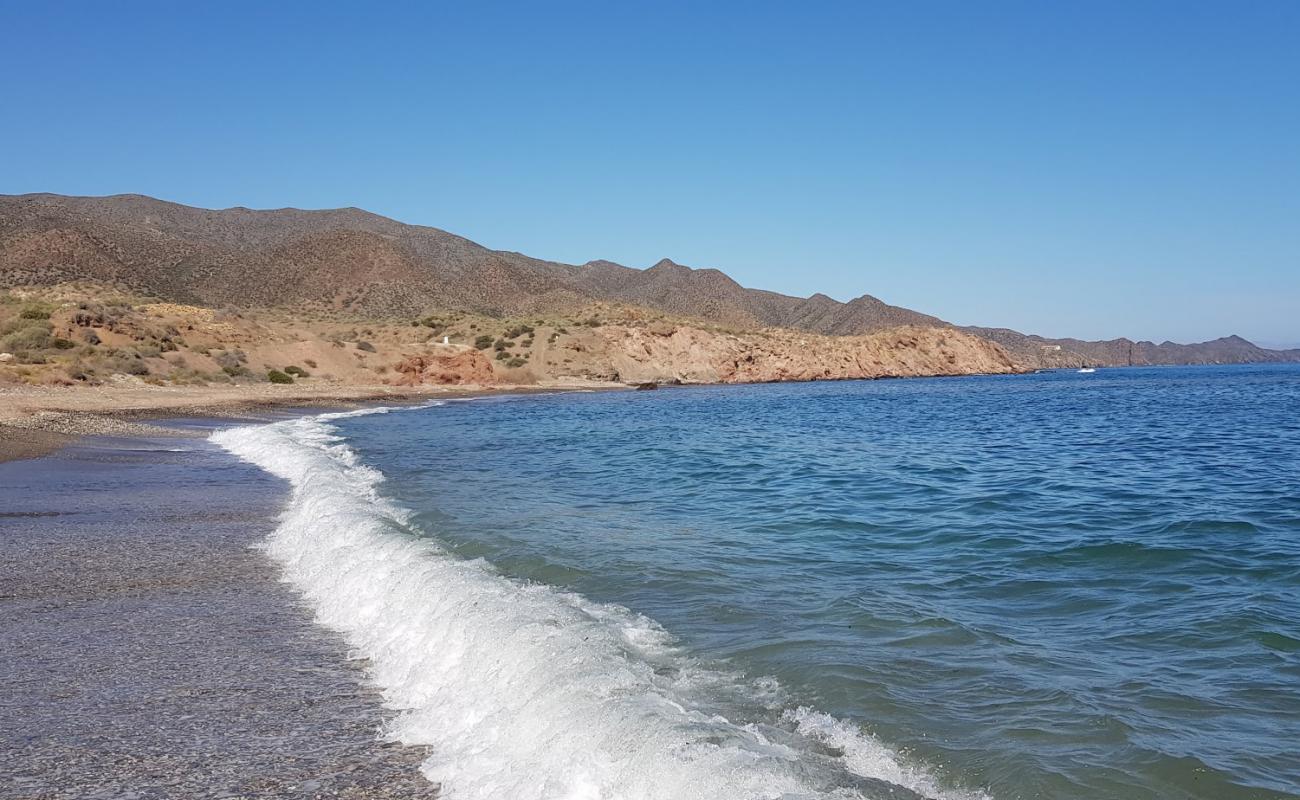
(525, 692)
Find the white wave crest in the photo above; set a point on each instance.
(524, 692)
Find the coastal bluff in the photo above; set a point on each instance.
(92, 336)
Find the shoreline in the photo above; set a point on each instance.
(39, 421)
(36, 421)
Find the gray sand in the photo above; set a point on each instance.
(148, 652)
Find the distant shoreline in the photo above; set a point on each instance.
(37, 421)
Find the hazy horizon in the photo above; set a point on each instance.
(1092, 172)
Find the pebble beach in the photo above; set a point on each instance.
(153, 652)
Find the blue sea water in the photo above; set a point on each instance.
(1044, 586)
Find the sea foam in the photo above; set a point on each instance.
(525, 692)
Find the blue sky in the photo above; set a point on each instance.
(1088, 169)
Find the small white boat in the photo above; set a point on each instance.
(1087, 369)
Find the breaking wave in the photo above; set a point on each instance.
(526, 692)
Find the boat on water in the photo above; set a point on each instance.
(1087, 369)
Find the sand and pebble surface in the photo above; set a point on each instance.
(151, 652)
(37, 420)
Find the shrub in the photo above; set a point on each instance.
(518, 330)
(33, 337)
(87, 317)
(35, 311)
(501, 345)
(236, 371)
(483, 342)
(366, 346)
(90, 337)
(297, 372)
(130, 366)
(187, 377)
(309, 362)
(502, 355)
(516, 362)
(63, 344)
(276, 376)
(230, 358)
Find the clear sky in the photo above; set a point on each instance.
(1088, 169)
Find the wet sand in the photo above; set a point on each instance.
(18, 443)
(150, 653)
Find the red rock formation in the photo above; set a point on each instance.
(451, 367)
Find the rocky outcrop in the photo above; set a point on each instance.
(450, 367)
(665, 353)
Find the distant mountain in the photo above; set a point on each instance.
(1051, 353)
(353, 260)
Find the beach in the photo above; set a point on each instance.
(161, 654)
(539, 597)
(723, 402)
(153, 653)
(37, 420)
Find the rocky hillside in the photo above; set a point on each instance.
(95, 335)
(353, 262)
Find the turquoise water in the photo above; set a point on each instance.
(1044, 586)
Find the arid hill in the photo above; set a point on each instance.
(352, 261)
(77, 334)
(355, 261)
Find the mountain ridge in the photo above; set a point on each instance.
(354, 260)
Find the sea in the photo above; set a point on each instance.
(1055, 585)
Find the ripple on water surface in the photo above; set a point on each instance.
(1057, 585)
